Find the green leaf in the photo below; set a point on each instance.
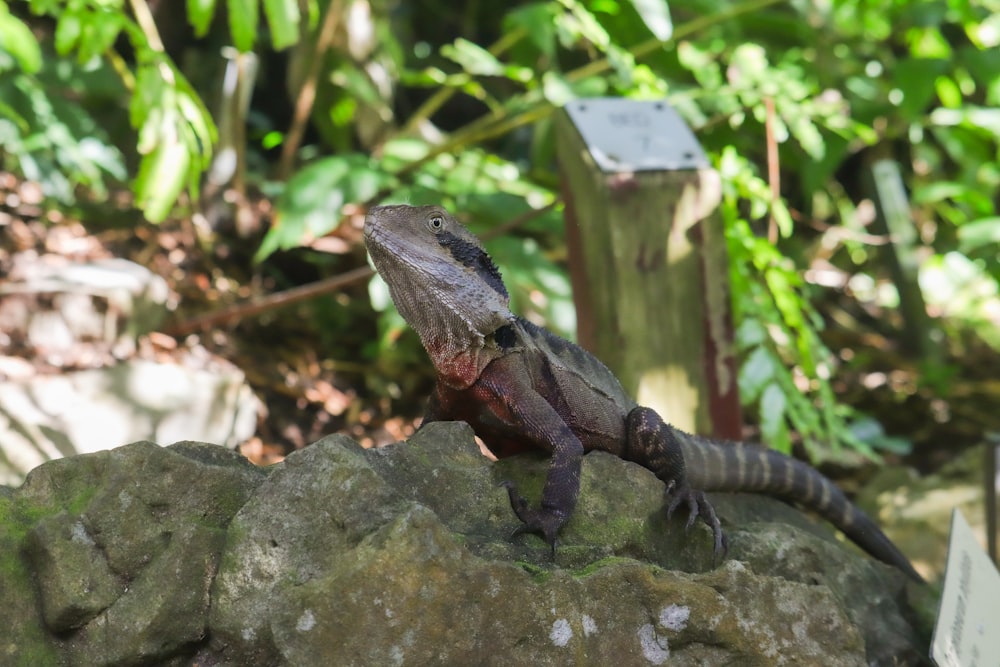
(283, 18)
(656, 15)
(979, 233)
(68, 32)
(200, 126)
(99, 34)
(755, 373)
(17, 40)
(987, 119)
(870, 431)
(578, 24)
(915, 79)
(948, 92)
(750, 333)
(200, 13)
(983, 65)
(556, 89)
(312, 201)
(161, 178)
(773, 427)
(359, 86)
(243, 19)
(809, 138)
(148, 86)
(537, 20)
(473, 58)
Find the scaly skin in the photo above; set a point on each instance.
(522, 387)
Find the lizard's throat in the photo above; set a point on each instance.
(455, 329)
(448, 319)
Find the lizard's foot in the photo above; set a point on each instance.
(540, 521)
(698, 506)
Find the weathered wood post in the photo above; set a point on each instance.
(648, 259)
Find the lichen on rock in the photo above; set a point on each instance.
(402, 555)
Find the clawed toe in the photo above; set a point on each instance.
(699, 507)
(543, 522)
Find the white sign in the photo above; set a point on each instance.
(635, 135)
(967, 633)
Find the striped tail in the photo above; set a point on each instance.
(713, 466)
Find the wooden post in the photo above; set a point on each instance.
(648, 259)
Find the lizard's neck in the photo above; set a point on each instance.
(456, 329)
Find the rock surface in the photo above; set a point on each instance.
(187, 554)
(57, 314)
(46, 417)
(918, 510)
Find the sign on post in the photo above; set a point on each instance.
(648, 258)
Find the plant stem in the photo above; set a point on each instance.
(144, 18)
(307, 93)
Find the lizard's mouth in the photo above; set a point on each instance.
(374, 235)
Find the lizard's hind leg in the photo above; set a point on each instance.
(653, 444)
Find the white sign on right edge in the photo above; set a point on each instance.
(967, 632)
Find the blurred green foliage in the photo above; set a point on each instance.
(47, 129)
(421, 102)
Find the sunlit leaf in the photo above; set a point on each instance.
(161, 178)
(473, 58)
(948, 92)
(556, 89)
(68, 31)
(978, 233)
(656, 15)
(578, 24)
(17, 40)
(283, 19)
(311, 204)
(200, 13)
(810, 138)
(243, 20)
(988, 119)
(200, 125)
(101, 36)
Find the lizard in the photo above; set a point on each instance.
(521, 387)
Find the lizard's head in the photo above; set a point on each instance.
(431, 262)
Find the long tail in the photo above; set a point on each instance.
(713, 466)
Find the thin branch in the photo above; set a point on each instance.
(773, 168)
(514, 223)
(271, 301)
(307, 93)
(144, 17)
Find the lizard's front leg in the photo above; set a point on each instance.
(653, 444)
(562, 482)
(536, 422)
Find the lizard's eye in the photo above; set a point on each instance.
(435, 222)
